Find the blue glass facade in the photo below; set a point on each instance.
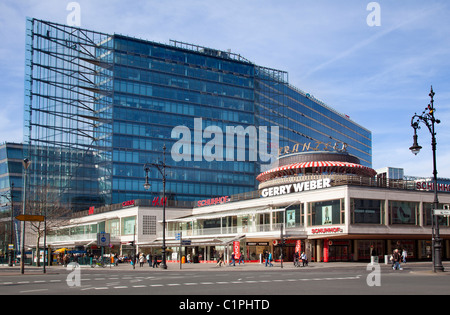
(139, 92)
(11, 184)
(159, 87)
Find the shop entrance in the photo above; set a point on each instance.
(339, 251)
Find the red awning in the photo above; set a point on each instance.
(320, 166)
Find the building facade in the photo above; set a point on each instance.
(99, 106)
(325, 204)
(11, 183)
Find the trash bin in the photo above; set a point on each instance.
(183, 259)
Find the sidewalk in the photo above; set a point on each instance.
(5, 270)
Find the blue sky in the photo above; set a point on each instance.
(379, 76)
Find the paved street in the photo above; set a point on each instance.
(208, 279)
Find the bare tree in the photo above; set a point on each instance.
(47, 202)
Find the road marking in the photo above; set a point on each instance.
(37, 290)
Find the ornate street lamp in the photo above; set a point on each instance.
(26, 164)
(429, 120)
(162, 169)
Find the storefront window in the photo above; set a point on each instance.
(405, 245)
(403, 212)
(368, 248)
(293, 216)
(113, 227)
(128, 225)
(366, 211)
(427, 217)
(326, 212)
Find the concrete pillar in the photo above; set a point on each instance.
(355, 250)
(319, 250)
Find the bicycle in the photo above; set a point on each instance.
(98, 262)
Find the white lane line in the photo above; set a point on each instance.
(37, 290)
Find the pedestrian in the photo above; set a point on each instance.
(233, 259)
(241, 258)
(149, 259)
(296, 259)
(155, 261)
(188, 258)
(220, 262)
(132, 260)
(270, 259)
(266, 258)
(396, 257)
(141, 260)
(304, 259)
(404, 255)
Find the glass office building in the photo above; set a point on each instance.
(11, 183)
(99, 106)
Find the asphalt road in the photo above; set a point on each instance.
(202, 281)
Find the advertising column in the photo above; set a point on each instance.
(298, 246)
(236, 249)
(325, 250)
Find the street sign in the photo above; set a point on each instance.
(441, 212)
(185, 242)
(27, 217)
(178, 236)
(103, 239)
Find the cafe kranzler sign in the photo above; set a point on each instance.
(313, 146)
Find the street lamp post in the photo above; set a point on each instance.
(162, 169)
(26, 164)
(429, 120)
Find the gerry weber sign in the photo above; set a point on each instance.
(297, 187)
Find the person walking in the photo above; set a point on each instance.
(220, 262)
(396, 257)
(266, 258)
(296, 259)
(233, 260)
(141, 260)
(270, 259)
(404, 255)
(241, 258)
(149, 259)
(304, 259)
(155, 261)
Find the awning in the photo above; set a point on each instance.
(318, 166)
(194, 242)
(61, 250)
(221, 214)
